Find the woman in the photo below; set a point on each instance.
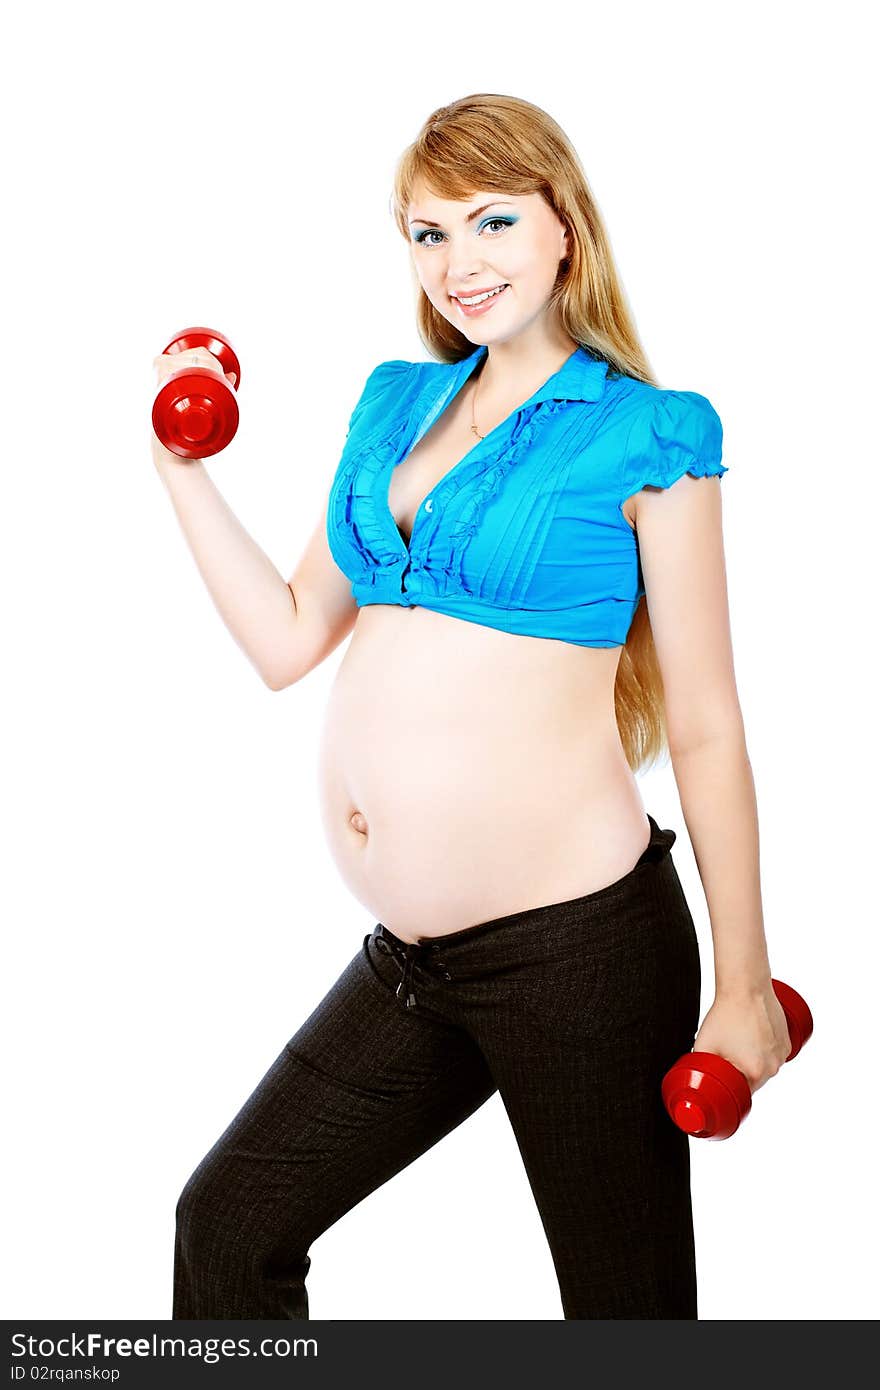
(496, 522)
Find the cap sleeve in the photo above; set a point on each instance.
(381, 387)
(679, 433)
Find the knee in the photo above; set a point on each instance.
(204, 1215)
(224, 1218)
(236, 1254)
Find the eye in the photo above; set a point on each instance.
(421, 237)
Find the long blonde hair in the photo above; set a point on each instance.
(505, 144)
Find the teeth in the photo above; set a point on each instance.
(478, 299)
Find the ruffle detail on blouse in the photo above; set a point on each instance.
(360, 484)
(514, 447)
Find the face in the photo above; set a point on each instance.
(489, 240)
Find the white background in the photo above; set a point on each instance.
(171, 911)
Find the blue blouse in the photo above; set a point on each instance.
(526, 532)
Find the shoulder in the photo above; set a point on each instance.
(387, 389)
(669, 432)
(669, 409)
(388, 375)
(664, 418)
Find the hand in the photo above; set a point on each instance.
(749, 1030)
(168, 362)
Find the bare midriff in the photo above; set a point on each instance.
(468, 773)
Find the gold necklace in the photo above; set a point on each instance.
(473, 409)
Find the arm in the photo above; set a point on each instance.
(283, 632)
(682, 554)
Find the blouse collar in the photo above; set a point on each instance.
(580, 378)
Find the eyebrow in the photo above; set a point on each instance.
(471, 215)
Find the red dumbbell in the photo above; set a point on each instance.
(708, 1097)
(195, 413)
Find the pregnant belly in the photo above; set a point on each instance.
(465, 774)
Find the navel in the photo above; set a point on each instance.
(359, 821)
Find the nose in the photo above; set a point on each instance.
(462, 269)
(470, 277)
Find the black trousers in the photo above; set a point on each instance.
(573, 1011)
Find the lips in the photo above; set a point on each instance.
(473, 294)
(483, 306)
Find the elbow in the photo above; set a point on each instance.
(730, 736)
(280, 677)
(698, 721)
(274, 681)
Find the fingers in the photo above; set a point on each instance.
(167, 362)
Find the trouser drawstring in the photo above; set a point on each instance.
(409, 957)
